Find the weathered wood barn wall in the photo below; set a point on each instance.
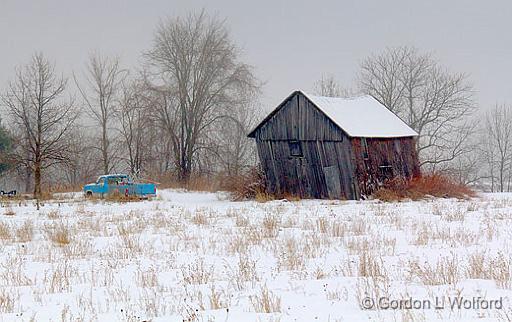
(378, 159)
(304, 153)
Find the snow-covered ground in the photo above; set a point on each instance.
(199, 257)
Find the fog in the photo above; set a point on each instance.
(290, 44)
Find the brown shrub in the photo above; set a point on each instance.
(435, 185)
(62, 188)
(251, 185)
(198, 182)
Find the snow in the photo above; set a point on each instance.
(196, 256)
(362, 116)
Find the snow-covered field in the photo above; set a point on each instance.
(199, 257)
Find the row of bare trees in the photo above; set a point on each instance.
(185, 111)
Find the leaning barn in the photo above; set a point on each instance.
(324, 147)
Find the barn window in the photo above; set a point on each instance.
(364, 147)
(295, 148)
(386, 171)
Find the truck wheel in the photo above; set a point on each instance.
(88, 194)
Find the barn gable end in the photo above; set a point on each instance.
(297, 118)
(323, 168)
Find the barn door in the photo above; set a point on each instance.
(332, 181)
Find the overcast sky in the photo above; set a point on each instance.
(289, 43)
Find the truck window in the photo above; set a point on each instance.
(114, 180)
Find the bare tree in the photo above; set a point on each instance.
(434, 102)
(39, 116)
(82, 164)
(328, 86)
(5, 147)
(102, 78)
(470, 167)
(235, 151)
(200, 77)
(134, 119)
(498, 147)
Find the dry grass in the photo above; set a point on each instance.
(25, 232)
(218, 299)
(200, 217)
(434, 185)
(46, 195)
(5, 231)
(477, 268)
(146, 278)
(13, 273)
(195, 183)
(263, 197)
(370, 266)
(6, 302)
(120, 198)
(266, 301)
(243, 272)
(197, 272)
(323, 225)
(445, 271)
(457, 214)
(291, 255)
(9, 211)
(130, 240)
(242, 221)
(496, 268)
(59, 233)
(167, 260)
(374, 280)
(53, 214)
(270, 225)
(58, 279)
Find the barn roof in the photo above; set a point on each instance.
(361, 116)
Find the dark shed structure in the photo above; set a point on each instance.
(333, 148)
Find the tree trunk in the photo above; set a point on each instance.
(37, 179)
(492, 178)
(501, 176)
(184, 174)
(104, 143)
(28, 179)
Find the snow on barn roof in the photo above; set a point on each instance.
(362, 116)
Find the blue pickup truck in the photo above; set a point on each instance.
(120, 184)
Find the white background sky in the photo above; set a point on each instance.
(289, 43)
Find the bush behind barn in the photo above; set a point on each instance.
(434, 185)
